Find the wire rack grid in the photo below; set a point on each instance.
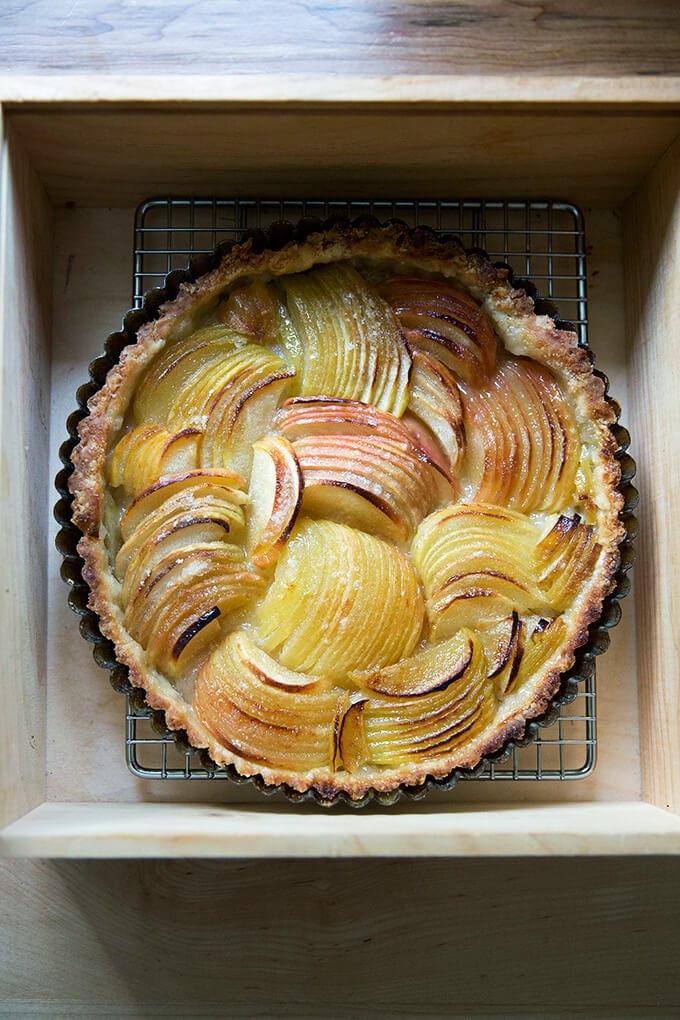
(543, 241)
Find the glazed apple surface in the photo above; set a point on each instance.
(354, 520)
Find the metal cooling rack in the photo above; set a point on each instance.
(543, 241)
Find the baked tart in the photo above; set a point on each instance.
(349, 507)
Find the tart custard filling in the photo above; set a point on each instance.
(348, 510)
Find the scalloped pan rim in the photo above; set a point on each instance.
(277, 235)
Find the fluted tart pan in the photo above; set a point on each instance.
(349, 508)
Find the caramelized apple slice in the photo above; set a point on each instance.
(362, 466)
(147, 452)
(340, 600)
(566, 557)
(435, 404)
(243, 413)
(522, 443)
(442, 320)
(262, 711)
(477, 565)
(226, 484)
(276, 487)
(252, 311)
(427, 671)
(542, 646)
(508, 651)
(350, 341)
(349, 746)
(183, 585)
(257, 310)
(431, 725)
(172, 372)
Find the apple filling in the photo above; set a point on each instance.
(364, 516)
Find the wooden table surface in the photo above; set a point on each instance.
(376, 938)
(365, 37)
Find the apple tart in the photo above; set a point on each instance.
(349, 507)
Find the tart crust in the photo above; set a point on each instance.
(522, 332)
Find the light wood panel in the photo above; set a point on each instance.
(25, 228)
(566, 37)
(652, 290)
(105, 155)
(343, 939)
(283, 85)
(272, 831)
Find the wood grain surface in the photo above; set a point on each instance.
(104, 155)
(382, 37)
(352, 938)
(24, 412)
(652, 290)
(342, 939)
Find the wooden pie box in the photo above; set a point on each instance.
(73, 170)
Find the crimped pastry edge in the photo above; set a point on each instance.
(523, 332)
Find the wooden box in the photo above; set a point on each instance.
(73, 170)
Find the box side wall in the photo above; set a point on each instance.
(62, 829)
(652, 294)
(25, 286)
(102, 155)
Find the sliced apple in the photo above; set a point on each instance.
(194, 507)
(351, 346)
(543, 645)
(181, 452)
(174, 369)
(477, 565)
(208, 392)
(243, 413)
(349, 746)
(304, 417)
(173, 536)
(384, 480)
(444, 321)
(370, 481)
(276, 487)
(199, 625)
(136, 458)
(427, 671)
(431, 725)
(508, 651)
(340, 600)
(566, 557)
(225, 484)
(257, 310)
(147, 452)
(523, 448)
(263, 712)
(435, 406)
(252, 311)
(181, 588)
(353, 505)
